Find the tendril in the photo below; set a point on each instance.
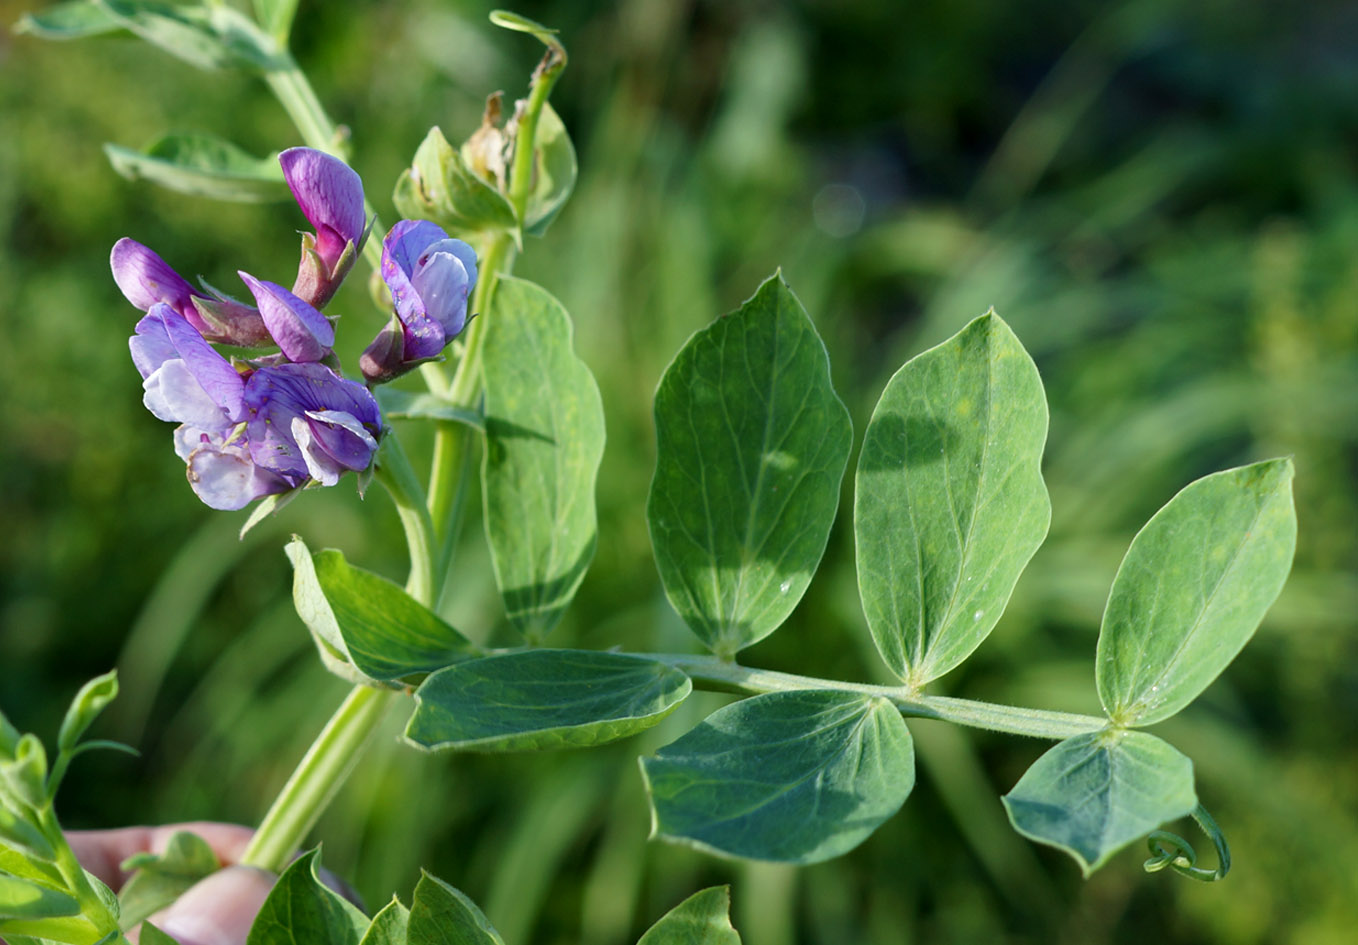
(1173, 851)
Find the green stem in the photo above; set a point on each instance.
(453, 442)
(394, 471)
(711, 673)
(294, 92)
(317, 779)
(521, 172)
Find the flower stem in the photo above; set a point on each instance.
(711, 673)
(394, 471)
(318, 778)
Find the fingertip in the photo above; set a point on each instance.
(219, 910)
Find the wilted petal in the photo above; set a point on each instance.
(225, 477)
(330, 194)
(302, 333)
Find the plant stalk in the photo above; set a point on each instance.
(722, 676)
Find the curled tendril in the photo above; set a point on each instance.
(1173, 851)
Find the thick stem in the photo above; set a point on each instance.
(708, 672)
(394, 471)
(317, 779)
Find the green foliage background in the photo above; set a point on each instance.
(1160, 198)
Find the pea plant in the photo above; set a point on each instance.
(752, 446)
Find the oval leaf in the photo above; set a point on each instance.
(793, 777)
(21, 899)
(949, 499)
(751, 448)
(414, 405)
(1193, 587)
(538, 699)
(209, 37)
(367, 628)
(390, 926)
(442, 915)
(544, 440)
(91, 700)
(202, 165)
(704, 918)
(301, 908)
(74, 20)
(1093, 794)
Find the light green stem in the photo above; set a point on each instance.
(711, 673)
(294, 92)
(317, 778)
(394, 471)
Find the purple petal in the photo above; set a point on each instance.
(275, 396)
(173, 394)
(151, 346)
(216, 375)
(303, 333)
(332, 442)
(330, 194)
(146, 279)
(226, 478)
(442, 283)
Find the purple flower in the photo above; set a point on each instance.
(302, 333)
(306, 421)
(330, 194)
(146, 279)
(431, 278)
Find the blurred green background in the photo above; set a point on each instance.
(1161, 198)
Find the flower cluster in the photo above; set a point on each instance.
(266, 425)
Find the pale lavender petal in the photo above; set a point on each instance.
(461, 250)
(173, 394)
(303, 333)
(329, 192)
(226, 479)
(151, 346)
(442, 283)
(146, 279)
(212, 371)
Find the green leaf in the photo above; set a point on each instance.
(23, 833)
(442, 915)
(537, 699)
(408, 405)
(544, 440)
(74, 20)
(92, 698)
(440, 187)
(506, 19)
(150, 935)
(202, 165)
(752, 445)
(554, 172)
(704, 918)
(949, 499)
(302, 909)
(160, 879)
(1193, 587)
(22, 899)
(1093, 794)
(9, 737)
(25, 777)
(269, 505)
(794, 777)
(389, 927)
(276, 17)
(365, 623)
(215, 37)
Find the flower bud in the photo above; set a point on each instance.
(330, 195)
(146, 280)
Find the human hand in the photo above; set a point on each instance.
(218, 910)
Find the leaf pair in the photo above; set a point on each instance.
(1193, 587)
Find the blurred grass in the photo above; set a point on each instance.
(1162, 200)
